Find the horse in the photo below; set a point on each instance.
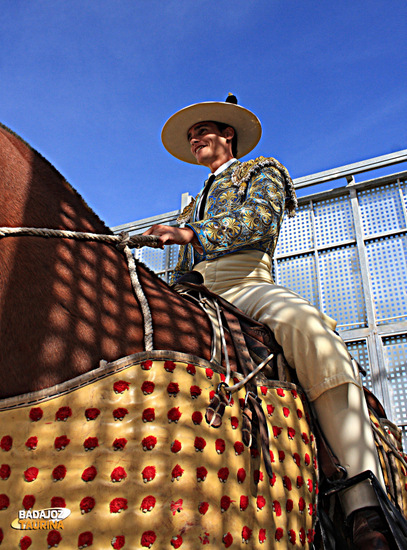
(119, 429)
(65, 305)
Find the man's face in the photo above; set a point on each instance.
(209, 144)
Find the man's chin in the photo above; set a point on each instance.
(203, 160)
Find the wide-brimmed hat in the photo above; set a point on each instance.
(245, 123)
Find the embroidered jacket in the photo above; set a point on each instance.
(244, 211)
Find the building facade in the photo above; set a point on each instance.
(346, 252)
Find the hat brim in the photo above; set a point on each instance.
(175, 130)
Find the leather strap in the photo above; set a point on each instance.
(255, 403)
(243, 355)
(253, 410)
(254, 418)
(216, 408)
(247, 427)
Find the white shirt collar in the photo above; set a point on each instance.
(223, 167)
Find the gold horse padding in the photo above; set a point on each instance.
(127, 450)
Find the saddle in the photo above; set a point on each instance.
(258, 340)
(254, 344)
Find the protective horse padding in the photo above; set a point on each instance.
(182, 483)
(393, 461)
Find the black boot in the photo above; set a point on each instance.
(369, 530)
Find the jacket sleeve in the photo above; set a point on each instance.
(248, 224)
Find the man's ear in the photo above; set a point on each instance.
(228, 133)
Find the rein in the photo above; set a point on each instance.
(123, 242)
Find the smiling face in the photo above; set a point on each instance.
(210, 146)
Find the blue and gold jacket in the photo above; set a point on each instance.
(244, 211)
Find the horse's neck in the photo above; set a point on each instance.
(34, 193)
(64, 304)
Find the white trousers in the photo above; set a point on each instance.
(319, 356)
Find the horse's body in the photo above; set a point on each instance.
(64, 304)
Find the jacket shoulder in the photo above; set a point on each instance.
(246, 170)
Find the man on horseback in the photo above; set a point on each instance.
(230, 236)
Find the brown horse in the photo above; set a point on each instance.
(64, 304)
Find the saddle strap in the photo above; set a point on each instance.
(255, 405)
(242, 353)
(253, 415)
(247, 428)
(216, 409)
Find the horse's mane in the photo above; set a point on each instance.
(60, 176)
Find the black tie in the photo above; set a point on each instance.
(204, 196)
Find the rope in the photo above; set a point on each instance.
(138, 290)
(123, 242)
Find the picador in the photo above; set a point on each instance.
(230, 234)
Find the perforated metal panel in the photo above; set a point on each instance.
(154, 258)
(296, 233)
(299, 274)
(384, 204)
(395, 352)
(333, 221)
(403, 189)
(387, 258)
(341, 276)
(160, 261)
(359, 351)
(172, 256)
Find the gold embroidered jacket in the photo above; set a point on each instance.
(244, 211)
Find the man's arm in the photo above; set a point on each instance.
(173, 235)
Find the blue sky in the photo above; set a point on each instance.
(89, 84)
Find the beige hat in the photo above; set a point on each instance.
(246, 124)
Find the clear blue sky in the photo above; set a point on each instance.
(89, 84)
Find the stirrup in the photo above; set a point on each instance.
(395, 520)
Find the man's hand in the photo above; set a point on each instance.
(173, 235)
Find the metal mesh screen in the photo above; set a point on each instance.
(333, 221)
(341, 276)
(387, 259)
(299, 274)
(172, 256)
(160, 261)
(296, 234)
(403, 188)
(395, 351)
(359, 351)
(154, 258)
(384, 204)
